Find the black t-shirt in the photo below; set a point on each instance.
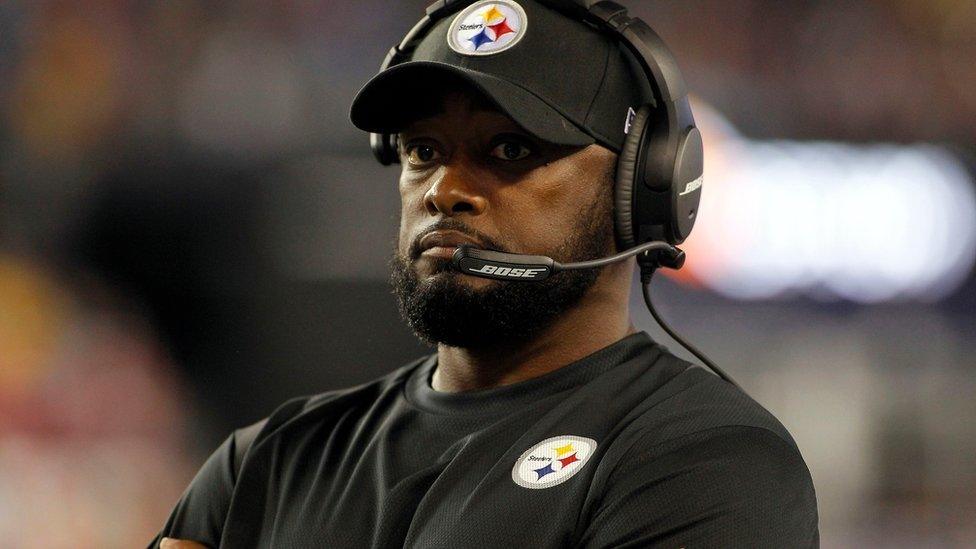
(627, 447)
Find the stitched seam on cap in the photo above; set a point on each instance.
(603, 78)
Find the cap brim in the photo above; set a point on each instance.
(383, 105)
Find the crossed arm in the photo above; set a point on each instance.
(737, 486)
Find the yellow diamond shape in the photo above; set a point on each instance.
(560, 450)
(492, 14)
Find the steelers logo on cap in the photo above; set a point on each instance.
(487, 28)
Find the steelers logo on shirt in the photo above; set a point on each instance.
(487, 28)
(552, 461)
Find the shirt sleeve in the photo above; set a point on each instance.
(733, 486)
(200, 512)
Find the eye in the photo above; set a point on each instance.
(511, 150)
(421, 154)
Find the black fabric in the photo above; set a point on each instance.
(682, 459)
(413, 83)
(575, 74)
(243, 438)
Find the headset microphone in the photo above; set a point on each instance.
(536, 268)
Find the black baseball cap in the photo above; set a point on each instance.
(559, 78)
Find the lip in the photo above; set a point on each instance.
(439, 251)
(444, 243)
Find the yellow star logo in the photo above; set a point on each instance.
(492, 14)
(560, 450)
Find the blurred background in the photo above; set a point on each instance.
(191, 232)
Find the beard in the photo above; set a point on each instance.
(443, 309)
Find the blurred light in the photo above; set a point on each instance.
(866, 223)
(244, 97)
(32, 313)
(92, 414)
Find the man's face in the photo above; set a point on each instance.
(471, 175)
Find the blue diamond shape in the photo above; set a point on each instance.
(544, 471)
(480, 38)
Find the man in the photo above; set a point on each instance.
(544, 419)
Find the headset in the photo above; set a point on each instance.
(658, 181)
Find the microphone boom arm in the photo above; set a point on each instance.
(670, 252)
(535, 268)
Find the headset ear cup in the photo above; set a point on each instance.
(627, 166)
(384, 147)
(689, 167)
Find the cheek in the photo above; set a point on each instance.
(403, 238)
(566, 197)
(559, 198)
(537, 217)
(412, 210)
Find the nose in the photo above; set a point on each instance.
(456, 190)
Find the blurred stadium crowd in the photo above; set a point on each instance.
(191, 231)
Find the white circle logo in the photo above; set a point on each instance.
(487, 28)
(552, 461)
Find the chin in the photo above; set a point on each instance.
(425, 266)
(431, 269)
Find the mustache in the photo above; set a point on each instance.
(484, 240)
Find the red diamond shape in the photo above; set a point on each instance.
(567, 460)
(501, 29)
